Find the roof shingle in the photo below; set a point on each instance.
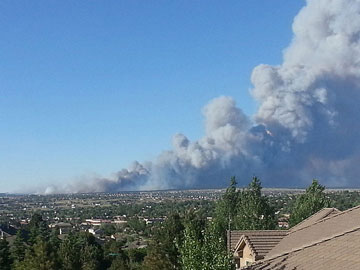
(261, 241)
(320, 230)
(339, 252)
(323, 213)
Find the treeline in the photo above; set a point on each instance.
(39, 248)
(187, 241)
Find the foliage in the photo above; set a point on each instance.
(136, 256)
(185, 240)
(114, 255)
(119, 263)
(307, 204)
(38, 228)
(157, 259)
(191, 250)
(39, 258)
(205, 253)
(253, 210)
(18, 248)
(80, 251)
(5, 257)
(136, 224)
(108, 229)
(244, 210)
(164, 249)
(226, 208)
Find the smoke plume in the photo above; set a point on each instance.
(306, 125)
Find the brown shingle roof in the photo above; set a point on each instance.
(339, 252)
(261, 242)
(320, 230)
(323, 213)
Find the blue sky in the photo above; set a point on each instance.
(86, 87)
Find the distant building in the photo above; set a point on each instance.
(64, 228)
(96, 232)
(153, 220)
(97, 222)
(7, 231)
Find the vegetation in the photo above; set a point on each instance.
(191, 237)
(245, 209)
(5, 256)
(309, 203)
(207, 252)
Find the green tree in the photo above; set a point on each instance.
(115, 257)
(226, 208)
(157, 259)
(5, 256)
(254, 212)
(119, 263)
(166, 241)
(18, 248)
(136, 256)
(39, 258)
(215, 255)
(38, 228)
(170, 238)
(69, 253)
(54, 240)
(80, 251)
(108, 229)
(191, 250)
(307, 204)
(90, 257)
(206, 253)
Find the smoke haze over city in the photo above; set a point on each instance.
(306, 124)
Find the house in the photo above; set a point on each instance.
(64, 228)
(153, 220)
(250, 246)
(7, 231)
(328, 240)
(96, 232)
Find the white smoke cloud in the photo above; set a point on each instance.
(306, 125)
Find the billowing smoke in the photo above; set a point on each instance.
(306, 125)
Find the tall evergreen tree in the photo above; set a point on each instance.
(166, 244)
(5, 256)
(81, 251)
(226, 208)
(90, 257)
(18, 248)
(254, 212)
(171, 237)
(39, 258)
(69, 253)
(38, 228)
(307, 204)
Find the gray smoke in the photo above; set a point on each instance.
(305, 127)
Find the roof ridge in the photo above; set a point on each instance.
(327, 218)
(247, 241)
(259, 230)
(309, 245)
(306, 219)
(338, 214)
